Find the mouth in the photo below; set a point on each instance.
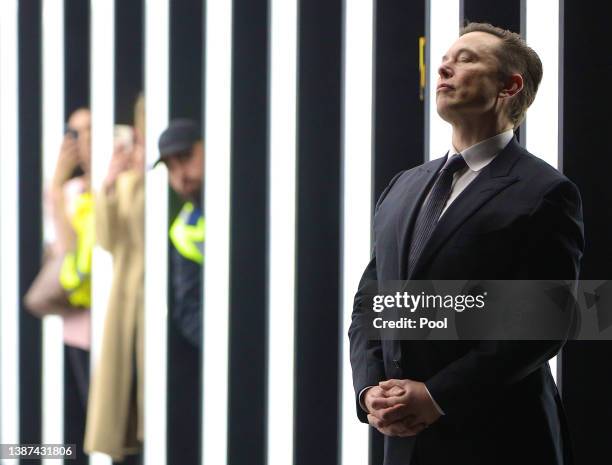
(444, 87)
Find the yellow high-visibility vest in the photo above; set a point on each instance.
(187, 233)
(75, 275)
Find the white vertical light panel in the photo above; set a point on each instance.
(542, 121)
(357, 200)
(281, 291)
(156, 233)
(9, 226)
(443, 30)
(217, 211)
(53, 128)
(102, 110)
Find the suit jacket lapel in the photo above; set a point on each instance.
(411, 200)
(492, 180)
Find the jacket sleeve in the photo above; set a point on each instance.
(554, 249)
(366, 355)
(107, 219)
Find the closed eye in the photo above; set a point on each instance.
(465, 57)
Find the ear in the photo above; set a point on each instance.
(512, 86)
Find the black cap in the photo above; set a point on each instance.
(178, 137)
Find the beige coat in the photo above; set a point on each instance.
(114, 414)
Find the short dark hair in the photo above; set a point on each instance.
(514, 56)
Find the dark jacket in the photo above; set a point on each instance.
(519, 219)
(186, 304)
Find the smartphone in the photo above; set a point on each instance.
(74, 134)
(124, 136)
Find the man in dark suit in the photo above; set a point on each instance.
(487, 210)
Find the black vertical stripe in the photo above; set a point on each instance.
(521, 132)
(523, 7)
(586, 64)
(428, 63)
(76, 95)
(76, 56)
(561, 81)
(319, 164)
(129, 58)
(30, 215)
(506, 15)
(186, 59)
(184, 419)
(398, 140)
(247, 400)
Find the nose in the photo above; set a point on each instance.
(185, 178)
(177, 179)
(445, 71)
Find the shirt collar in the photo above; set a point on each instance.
(482, 153)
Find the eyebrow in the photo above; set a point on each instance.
(460, 51)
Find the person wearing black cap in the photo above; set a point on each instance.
(181, 150)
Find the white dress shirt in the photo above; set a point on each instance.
(476, 158)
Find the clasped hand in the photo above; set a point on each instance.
(400, 407)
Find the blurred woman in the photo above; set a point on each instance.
(63, 286)
(114, 421)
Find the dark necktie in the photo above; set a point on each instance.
(431, 210)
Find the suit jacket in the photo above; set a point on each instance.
(519, 219)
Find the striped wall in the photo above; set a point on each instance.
(308, 108)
